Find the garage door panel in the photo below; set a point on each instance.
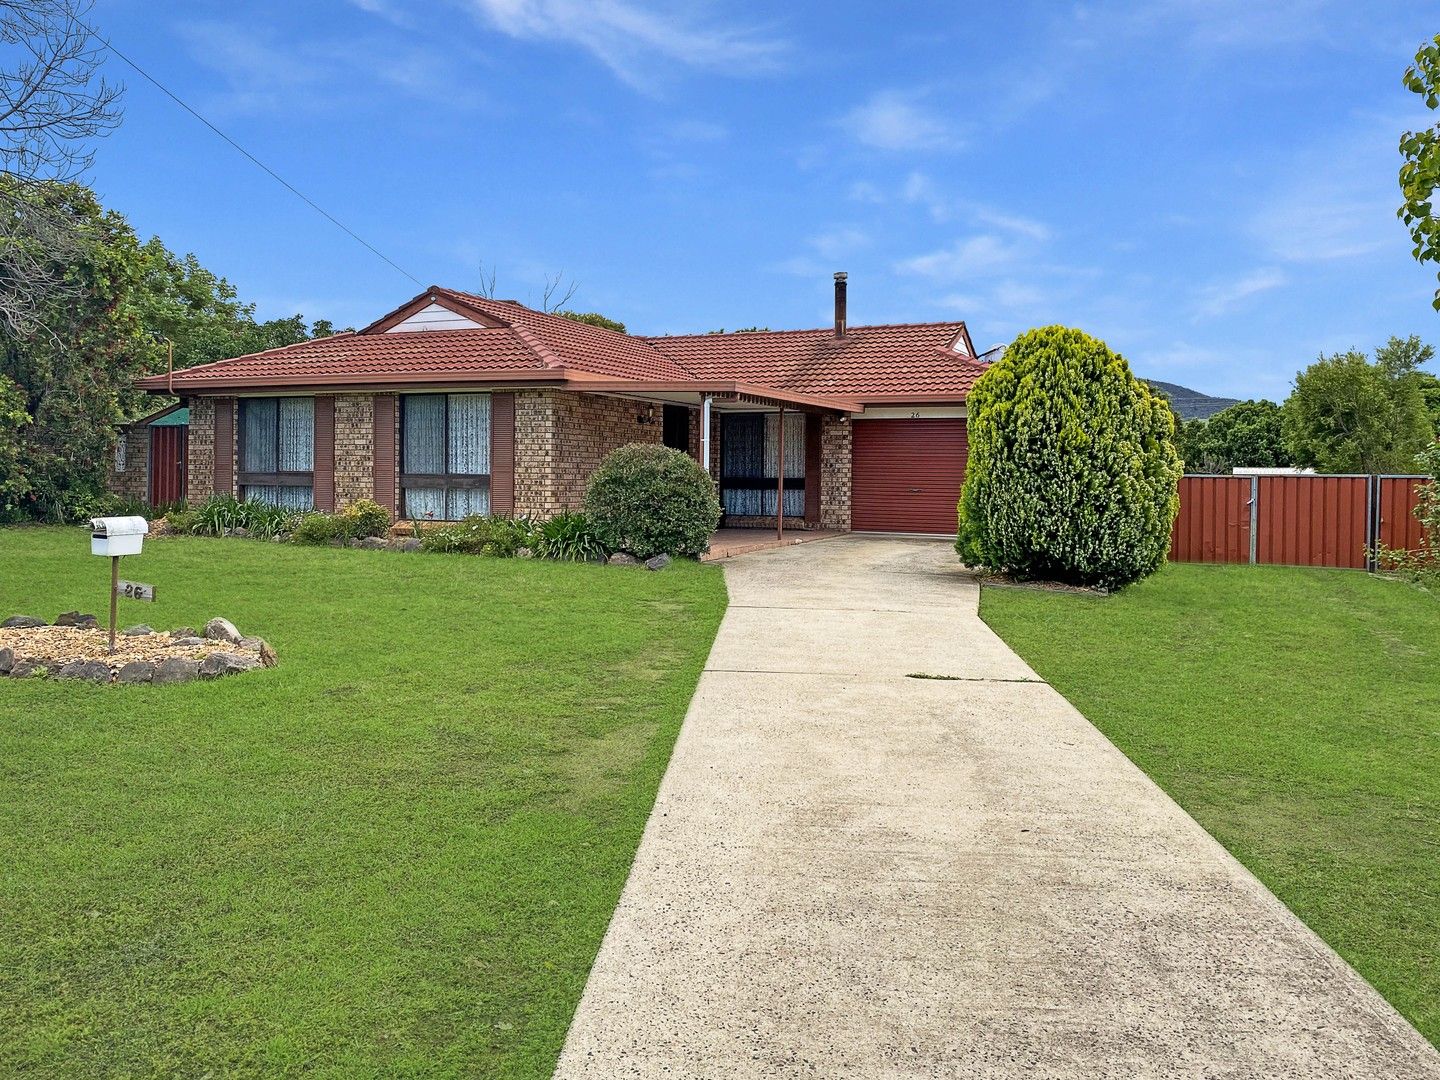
(906, 474)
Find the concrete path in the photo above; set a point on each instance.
(852, 873)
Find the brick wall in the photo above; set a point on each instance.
(835, 445)
(201, 468)
(560, 440)
(133, 482)
(354, 448)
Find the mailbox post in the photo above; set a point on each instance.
(116, 536)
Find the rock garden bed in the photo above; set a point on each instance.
(75, 646)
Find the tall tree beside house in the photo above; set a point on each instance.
(1347, 414)
(1251, 434)
(1420, 173)
(1072, 472)
(72, 383)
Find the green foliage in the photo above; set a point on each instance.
(594, 318)
(1420, 173)
(315, 529)
(108, 504)
(1072, 472)
(185, 522)
(221, 514)
(1430, 394)
(1251, 434)
(569, 538)
(651, 500)
(1349, 415)
(499, 537)
(364, 517)
(63, 390)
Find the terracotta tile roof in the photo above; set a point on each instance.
(869, 361)
(353, 356)
(592, 349)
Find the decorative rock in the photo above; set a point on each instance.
(136, 672)
(74, 618)
(26, 668)
(184, 631)
(240, 531)
(175, 643)
(137, 631)
(620, 558)
(7, 661)
(410, 543)
(220, 664)
(90, 670)
(176, 669)
(374, 543)
(524, 553)
(22, 622)
(659, 562)
(222, 630)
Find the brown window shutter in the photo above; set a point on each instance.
(224, 470)
(384, 442)
(502, 454)
(813, 423)
(324, 490)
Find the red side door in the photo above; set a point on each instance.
(167, 463)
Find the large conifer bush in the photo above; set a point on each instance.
(1072, 474)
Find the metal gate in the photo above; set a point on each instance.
(1300, 520)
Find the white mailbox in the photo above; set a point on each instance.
(117, 535)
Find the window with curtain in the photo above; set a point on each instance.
(277, 451)
(750, 462)
(445, 455)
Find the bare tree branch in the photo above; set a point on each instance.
(53, 100)
(554, 297)
(487, 283)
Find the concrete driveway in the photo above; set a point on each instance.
(854, 873)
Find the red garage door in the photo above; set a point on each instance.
(906, 475)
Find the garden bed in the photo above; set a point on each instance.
(76, 647)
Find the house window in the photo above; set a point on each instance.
(445, 455)
(277, 451)
(121, 449)
(750, 462)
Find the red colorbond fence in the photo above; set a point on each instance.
(1294, 520)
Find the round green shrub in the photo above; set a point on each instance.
(1072, 472)
(364, 518)
(650, 500)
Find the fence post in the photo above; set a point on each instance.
(1372, 520)
(1254, 515)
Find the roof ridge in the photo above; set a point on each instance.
(545, 354)
(953, 323)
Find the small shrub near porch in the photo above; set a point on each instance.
(651, 500)
(1072, 472)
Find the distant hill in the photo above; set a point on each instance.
(1191, 404)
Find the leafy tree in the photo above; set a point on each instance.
(1430, 394)
(1349, 415)
(1250, 433)
(120, 303)
(594, 318)
(1420, 174)
(1072, 472)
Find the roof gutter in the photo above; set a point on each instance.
(156, 384)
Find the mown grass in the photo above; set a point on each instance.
(394, 855)
(1296, 715)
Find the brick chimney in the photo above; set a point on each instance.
(840, 303)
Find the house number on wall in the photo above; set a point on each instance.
(134, 590)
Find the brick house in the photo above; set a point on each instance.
(455, 404)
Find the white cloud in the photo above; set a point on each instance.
(891, 120)
(1223, 297)
(1023, 226)
(628, 38)
(968, 257)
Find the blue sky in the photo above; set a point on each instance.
(1208, 186)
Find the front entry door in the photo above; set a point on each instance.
(167, 463)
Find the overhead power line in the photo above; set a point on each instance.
(257, 162)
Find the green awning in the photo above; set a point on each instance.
(179, 418)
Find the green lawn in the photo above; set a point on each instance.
(1296, 715)
(394, 855)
